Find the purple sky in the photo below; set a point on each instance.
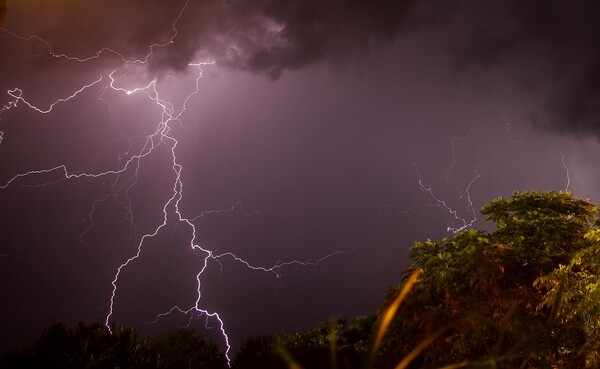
(338, 127)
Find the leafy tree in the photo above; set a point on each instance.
(573, 292)
(525, 295)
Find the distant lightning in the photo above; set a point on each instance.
(238, 205)
(453, 163)
(469, 203)
(276, 268)
(124, 176)
(546, 138)
(465, 223)
(465, 194)
(567, 172)
(437, 201)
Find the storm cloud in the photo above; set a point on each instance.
(548, 47)
(263, 36)
(553, 44)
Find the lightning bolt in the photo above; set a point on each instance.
(123, 178)
(466, 223)
(465, 194)
(567, 172)
(545, 139)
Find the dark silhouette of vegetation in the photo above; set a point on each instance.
(312, 348)
(94, 346)
(526, 295)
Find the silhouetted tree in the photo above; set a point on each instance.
(94, 346)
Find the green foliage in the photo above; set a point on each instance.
(544, 228)
(525, 294)
(572, 291)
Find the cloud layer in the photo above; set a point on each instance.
(549, 47)
(264, 36)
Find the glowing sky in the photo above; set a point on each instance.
(322, 127)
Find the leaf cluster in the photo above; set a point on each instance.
(527, 293)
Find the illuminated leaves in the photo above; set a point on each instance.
(524, 295)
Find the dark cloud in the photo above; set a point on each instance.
(265, 36)
(550, 47)
(311, 31)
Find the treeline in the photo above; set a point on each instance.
(526, 295)
(94, 346)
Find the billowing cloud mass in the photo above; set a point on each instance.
(264, 36)
(553, 43)
(550, 47)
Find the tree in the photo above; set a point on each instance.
(184, 349)
(337, 343)
(95, 346)
(525, 294)
(85, 346)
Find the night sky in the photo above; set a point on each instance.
(332, 133)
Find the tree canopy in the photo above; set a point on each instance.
(95, 346)
(524, 295)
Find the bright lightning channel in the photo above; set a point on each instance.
(129, 169)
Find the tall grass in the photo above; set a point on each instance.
(379, 332)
